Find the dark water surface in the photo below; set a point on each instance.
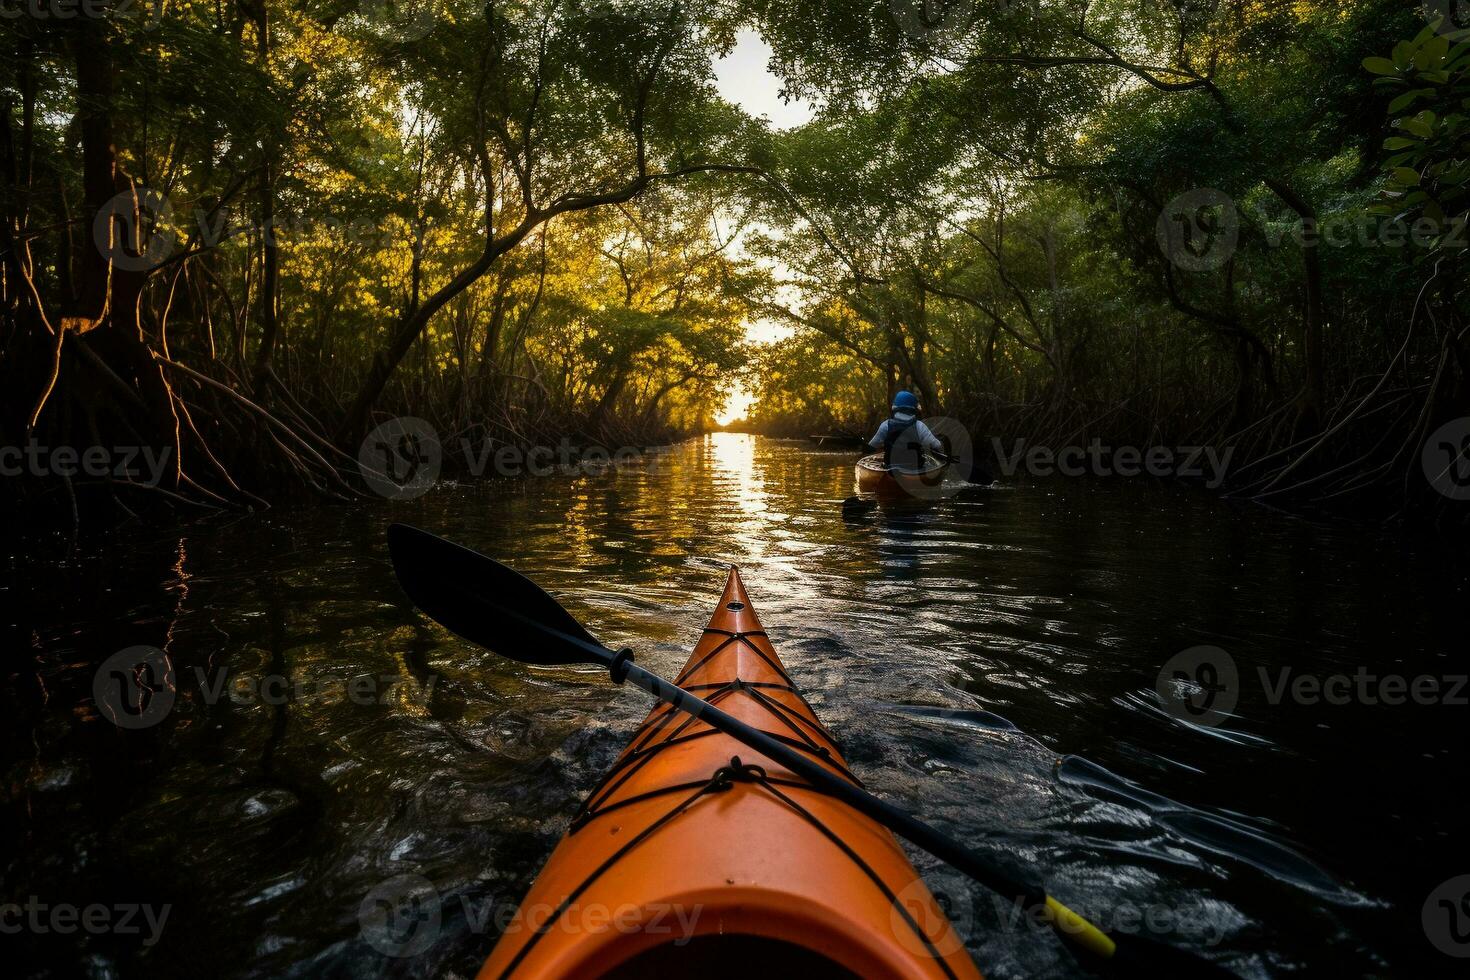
(1292, 839)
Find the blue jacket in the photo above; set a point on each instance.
(916, 435)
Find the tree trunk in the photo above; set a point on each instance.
(1314, 384)
(93, 59)
(603, 412)
(269, 275)
(270, 258)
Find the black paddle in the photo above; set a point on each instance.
(491, 605)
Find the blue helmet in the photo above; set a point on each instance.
(905, 401)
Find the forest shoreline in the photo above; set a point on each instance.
(249, 236)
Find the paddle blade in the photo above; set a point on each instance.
(488, 603)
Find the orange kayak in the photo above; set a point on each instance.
(697, 856)
(896, 484)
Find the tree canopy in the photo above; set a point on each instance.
(249, 231)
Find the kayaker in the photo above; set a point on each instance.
(902, 437)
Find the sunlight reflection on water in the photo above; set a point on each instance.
(958, 652)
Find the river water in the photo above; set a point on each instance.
(989, 662)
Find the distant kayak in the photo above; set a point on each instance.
(698, 857)
(899, 483)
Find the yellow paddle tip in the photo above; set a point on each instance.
(1078, 931)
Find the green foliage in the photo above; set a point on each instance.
(980, 209)
(985, 205)
(1429, 164)
(376, 149)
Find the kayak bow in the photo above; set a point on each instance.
(697, 856)
(780, 881)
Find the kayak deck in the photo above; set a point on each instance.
(898, 484)
(698, 854)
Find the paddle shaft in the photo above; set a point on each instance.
(621, 667)
(832, 784)
(478, 598)
(1067, 923)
